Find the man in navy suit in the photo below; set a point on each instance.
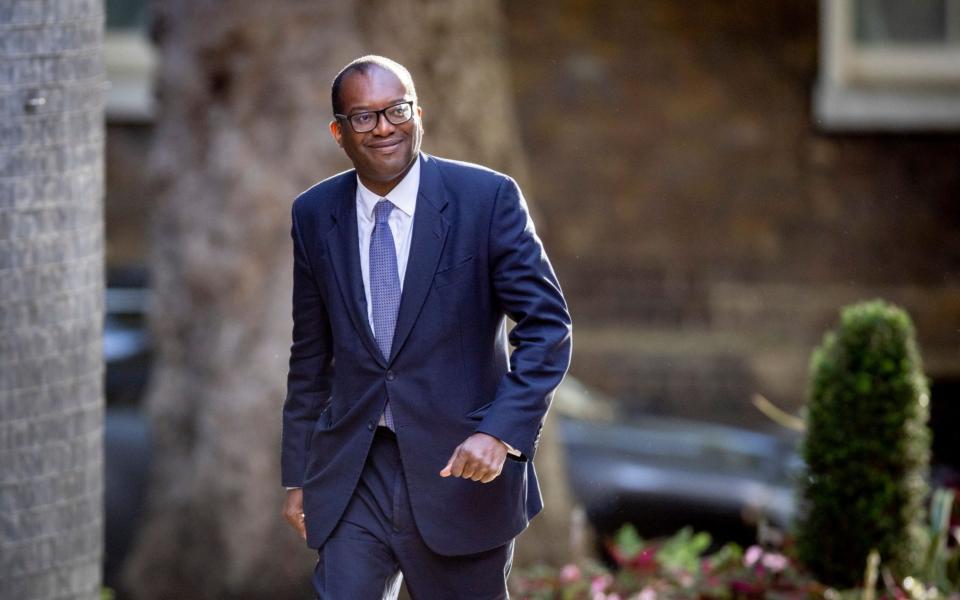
(409, 428)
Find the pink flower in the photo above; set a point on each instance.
(752, 555)
(647, 593)
(569, 573)
(774, 562)
(705, 566)
(599, 584)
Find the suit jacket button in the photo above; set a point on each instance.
(391, 376)
(370, 425)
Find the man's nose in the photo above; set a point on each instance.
(384, 127)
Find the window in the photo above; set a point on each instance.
(130, 62)
(889, 65)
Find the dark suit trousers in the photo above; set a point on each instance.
(377, 539)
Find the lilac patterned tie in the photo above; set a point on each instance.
(384, 285)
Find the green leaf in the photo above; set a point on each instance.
(628, 541)
(683, 550)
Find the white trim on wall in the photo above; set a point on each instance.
(885, 87)
(130, 62)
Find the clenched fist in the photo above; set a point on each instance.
(293, 511)
(479, 458)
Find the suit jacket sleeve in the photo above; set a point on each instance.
(311, 365)
(527, 290)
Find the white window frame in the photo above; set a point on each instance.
(891, 87)
(131, 61)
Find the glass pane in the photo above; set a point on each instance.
(127, 14)
(900, 21)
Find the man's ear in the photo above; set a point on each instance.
(336, 132)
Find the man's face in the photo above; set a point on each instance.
(381, 156)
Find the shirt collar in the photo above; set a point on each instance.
(403, 195)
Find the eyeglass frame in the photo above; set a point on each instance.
(380, 113)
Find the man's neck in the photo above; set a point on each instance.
(382, 188)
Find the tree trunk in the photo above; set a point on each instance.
(51, 312)
(244, 106)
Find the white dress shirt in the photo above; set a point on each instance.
(404, 199)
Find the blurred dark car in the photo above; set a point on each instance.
(663, 473)
(126, 353)
(126, 344)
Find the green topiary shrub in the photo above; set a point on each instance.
(867, 448)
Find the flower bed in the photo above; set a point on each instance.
(679, 568)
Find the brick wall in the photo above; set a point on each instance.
(705, 232)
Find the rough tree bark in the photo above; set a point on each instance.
(51, 298)
(244, 106)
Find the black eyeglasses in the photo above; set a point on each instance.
(365, 121)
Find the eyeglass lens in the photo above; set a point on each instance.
(396, 115)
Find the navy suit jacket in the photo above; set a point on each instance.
(475, 259)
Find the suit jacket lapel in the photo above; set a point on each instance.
(343, 248)
(429, 233)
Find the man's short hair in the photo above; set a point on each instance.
(363, 65)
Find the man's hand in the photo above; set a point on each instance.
(293, 510)
(479, 458)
